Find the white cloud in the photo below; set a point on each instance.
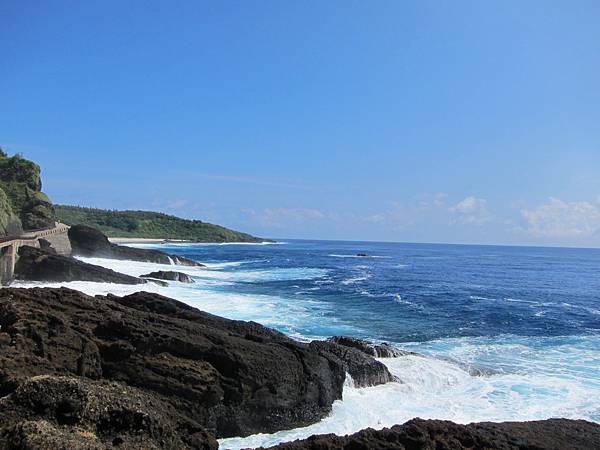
(558, 218)
(471, 210)
(278, 217)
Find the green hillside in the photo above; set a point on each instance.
(147, 224)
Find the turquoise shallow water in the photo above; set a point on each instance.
(508, 333)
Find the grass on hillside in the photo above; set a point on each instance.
(148, 224)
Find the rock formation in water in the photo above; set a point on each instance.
(418, 434)
(169, 275)
(364, 370)
(88, 241)
(35, 264)
(382, 350)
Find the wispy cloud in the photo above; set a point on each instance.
(558, 219)
(280, 217)
(470, 211)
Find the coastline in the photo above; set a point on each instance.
(465, 390)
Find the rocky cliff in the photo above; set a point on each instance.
(23, 205)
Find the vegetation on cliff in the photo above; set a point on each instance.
(22, 204)
(147, 224)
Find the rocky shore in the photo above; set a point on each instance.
(223, 378)
(146, 371)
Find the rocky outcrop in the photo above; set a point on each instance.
(232, 378)
(419, 434)
(88, 241)
(80, 414)
(382, 350)
(36, 264)
(364, 370)
(169, 275)
(22, 204)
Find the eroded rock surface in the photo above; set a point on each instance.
(77, 413)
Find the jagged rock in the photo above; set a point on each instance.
(44, 412)
(169, 275)
(47, 246)
(419, 434)
(364, 370)
(88, 241)
(382, 350)
(35, 264)
(232, 377)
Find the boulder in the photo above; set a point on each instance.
(419, 434)
(90, 242)
(169, 275)
(36, 264)
(233, 378)
(80, 414)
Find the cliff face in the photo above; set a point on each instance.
(22, 203)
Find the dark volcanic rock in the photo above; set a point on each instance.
(39, 265)
(421, 434)
(364, 370)
(233, 378)
(169, 275)
(88, 241)
(76, 413)
(377, 350)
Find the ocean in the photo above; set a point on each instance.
(506, 333)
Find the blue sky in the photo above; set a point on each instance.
(422, 121)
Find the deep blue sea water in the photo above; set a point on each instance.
(419, 292)
(509, 333)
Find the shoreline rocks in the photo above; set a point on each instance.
(90, 242)
(233, 378)
(146, 371)
(419, 434)
(36, 264)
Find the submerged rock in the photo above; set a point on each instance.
(169, 275)
(35, 264)
(90, 242)
(233, 378)
(419, 434)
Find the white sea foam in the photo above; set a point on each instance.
(435, 388)
(356, 279)
(333, 255)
